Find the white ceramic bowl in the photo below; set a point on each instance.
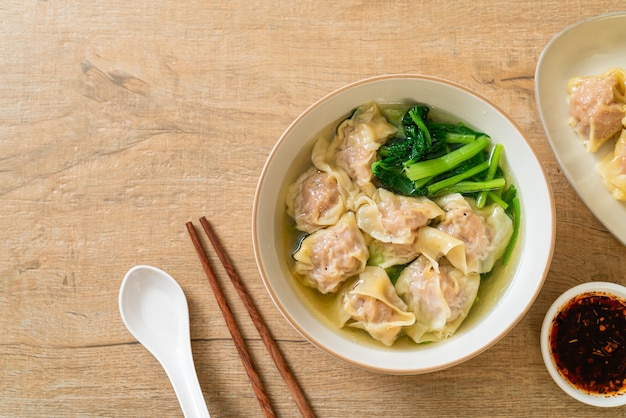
(503, 300)
(563, 300)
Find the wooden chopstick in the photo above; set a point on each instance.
(240, 344)
(283, 368)
(257, 320)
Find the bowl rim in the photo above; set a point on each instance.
(581, 289)
(504, 328)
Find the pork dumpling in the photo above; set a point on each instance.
(322, 159)
(372, 304)
(596, 107)
(329, 256)
(357, 141)
(395, 218)
(485, 232)
(440, 299)
(315, 200)
(612, 168)
(388, 254)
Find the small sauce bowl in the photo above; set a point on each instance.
(583, 343)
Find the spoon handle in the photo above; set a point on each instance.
(184, 379)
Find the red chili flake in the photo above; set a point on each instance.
(591, 357)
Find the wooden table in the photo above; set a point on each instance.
(120, 121)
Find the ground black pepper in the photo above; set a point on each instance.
(588, 343)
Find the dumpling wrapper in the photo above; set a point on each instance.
(388, 217)
(373, 305)
(388, 254)
(329, 256)
(434, 244)
(356, 143)
(597, 107)
(315, 200)
(440, 300)
(485, 232)
(322, 159)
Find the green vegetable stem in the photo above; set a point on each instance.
(429, 158)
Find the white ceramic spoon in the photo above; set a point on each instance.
(154, 309)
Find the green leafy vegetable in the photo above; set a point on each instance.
(393, 178)
(439, 165)
(434, 188)
(418, 115)
(431, 158)
(467, 187)
(394, 272)
(453, 134)
(494, 160)
(415, 141)
(514, 212)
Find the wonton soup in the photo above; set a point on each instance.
(401, 224)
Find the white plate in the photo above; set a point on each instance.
(589, 47)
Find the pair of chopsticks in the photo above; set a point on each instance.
(270, 344)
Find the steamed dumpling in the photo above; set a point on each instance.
(394, 218)
(315, 200)
(597, 107)
(439, 299)
(323, 160)
(485, 232)
(372, 304)
(357, 141)
(329, 256)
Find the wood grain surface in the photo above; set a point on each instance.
(120, 121)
